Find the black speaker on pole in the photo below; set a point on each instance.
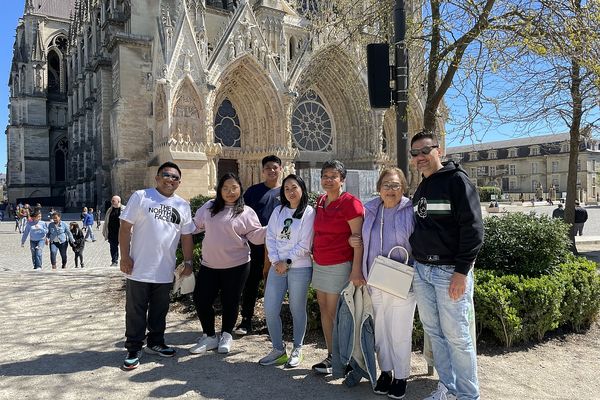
(378, 71)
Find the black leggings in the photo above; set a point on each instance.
(209, 283)
(79, 257)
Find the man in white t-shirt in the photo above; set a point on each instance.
(151, 226)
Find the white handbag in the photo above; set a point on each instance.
(391, 276)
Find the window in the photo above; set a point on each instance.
(578, 165)
(534, 151)
(227, 125)
(554, 166)
(492, 170)
(473, 173)
(457, 157)
(492, 154)
(556, 183)
(512, 184)
(534, 185)
(512, 153)
(312, 129)
(534, 168)
(564, 147)
(512, 169)
(473, 156)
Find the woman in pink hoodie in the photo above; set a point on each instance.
(228, 224)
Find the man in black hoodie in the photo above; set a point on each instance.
(447, 237)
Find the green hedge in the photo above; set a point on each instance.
(517, 309)
(486, 192)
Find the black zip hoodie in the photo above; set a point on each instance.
(448, 223)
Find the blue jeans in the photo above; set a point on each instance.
(37, 250)
(89, 232)
(296, 282)
(447, 323)
(58, 248)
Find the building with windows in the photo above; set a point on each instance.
(532, 166)
(104, 91)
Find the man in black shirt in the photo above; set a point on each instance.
(110, 229)
(262, 198)
(581, 216)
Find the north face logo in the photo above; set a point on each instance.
(422, 207)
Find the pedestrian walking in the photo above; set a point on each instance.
(59, 237)
(289, 243)
(88, 225)
(151, 227)
(262, 198)
(97, 217)
(78, 244)
(228, 225)
(581, 216)
(447, 236)
(559, 212)
(37, 230)
(110, 229)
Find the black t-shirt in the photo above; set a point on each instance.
(114, 223)
(262, 200)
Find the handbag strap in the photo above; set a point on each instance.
(381, 240)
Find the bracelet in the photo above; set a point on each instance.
(188, 263)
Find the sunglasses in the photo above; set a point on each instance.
(423, 150)
(166, 175)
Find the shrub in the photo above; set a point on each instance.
(523, 244)
(486, 192)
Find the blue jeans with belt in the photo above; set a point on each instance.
(446, 321)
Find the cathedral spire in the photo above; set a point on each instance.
(37, 51)
(28, 6)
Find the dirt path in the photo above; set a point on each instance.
(62, 338)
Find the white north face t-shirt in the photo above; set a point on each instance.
(158, 223)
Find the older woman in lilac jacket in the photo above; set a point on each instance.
(389, 223)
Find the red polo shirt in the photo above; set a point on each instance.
(330, 243)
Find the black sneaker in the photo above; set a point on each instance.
(324, 367)
(397, 389)
(132, 360)
(244, 328)
(383, 383)
(160, 349)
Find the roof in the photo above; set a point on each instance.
(505, 144)
(54, 8)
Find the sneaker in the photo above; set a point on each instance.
(132, 360)
(277, 357)
(295, 358)
(324, 367)
(114, 264)
(383, 383)
(225, 343)
(244, 328)
(204, 344)
(160, 349)
(441, 393)
(397, 389)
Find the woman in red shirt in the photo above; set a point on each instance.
(338, 216)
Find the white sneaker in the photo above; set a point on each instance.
(225, 343)
(204, 344)
(276, 357)
(295, 358)
(441, 393)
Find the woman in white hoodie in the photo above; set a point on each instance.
(289, 241)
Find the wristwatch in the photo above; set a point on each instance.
(288, 262)
(188, 263)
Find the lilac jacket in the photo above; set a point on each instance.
(404, 226)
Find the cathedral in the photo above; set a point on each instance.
(104, 91)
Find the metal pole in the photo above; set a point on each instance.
(401, 78)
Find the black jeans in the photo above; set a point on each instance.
(209, 282)
(114, 250)
(79, 257)
(250, 294)
(146, 298)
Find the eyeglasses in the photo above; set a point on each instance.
(166, 175)
(423, 150)
(391, 186)
(329, 178)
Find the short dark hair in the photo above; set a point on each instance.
(425, 134)
(271, 158)
(57, 213)
(334, 164)
(168, 164)
(303, 199)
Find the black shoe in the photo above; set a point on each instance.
(132, 360)
(160, 349)
(244, 328)
(383, 383)
(324, 367)
(397, 389)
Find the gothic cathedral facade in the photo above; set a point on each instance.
(104, 91)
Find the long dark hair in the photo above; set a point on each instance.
(219, 202)
(303, 200)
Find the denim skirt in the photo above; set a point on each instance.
(331, 278)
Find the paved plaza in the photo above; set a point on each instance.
(62, 338)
